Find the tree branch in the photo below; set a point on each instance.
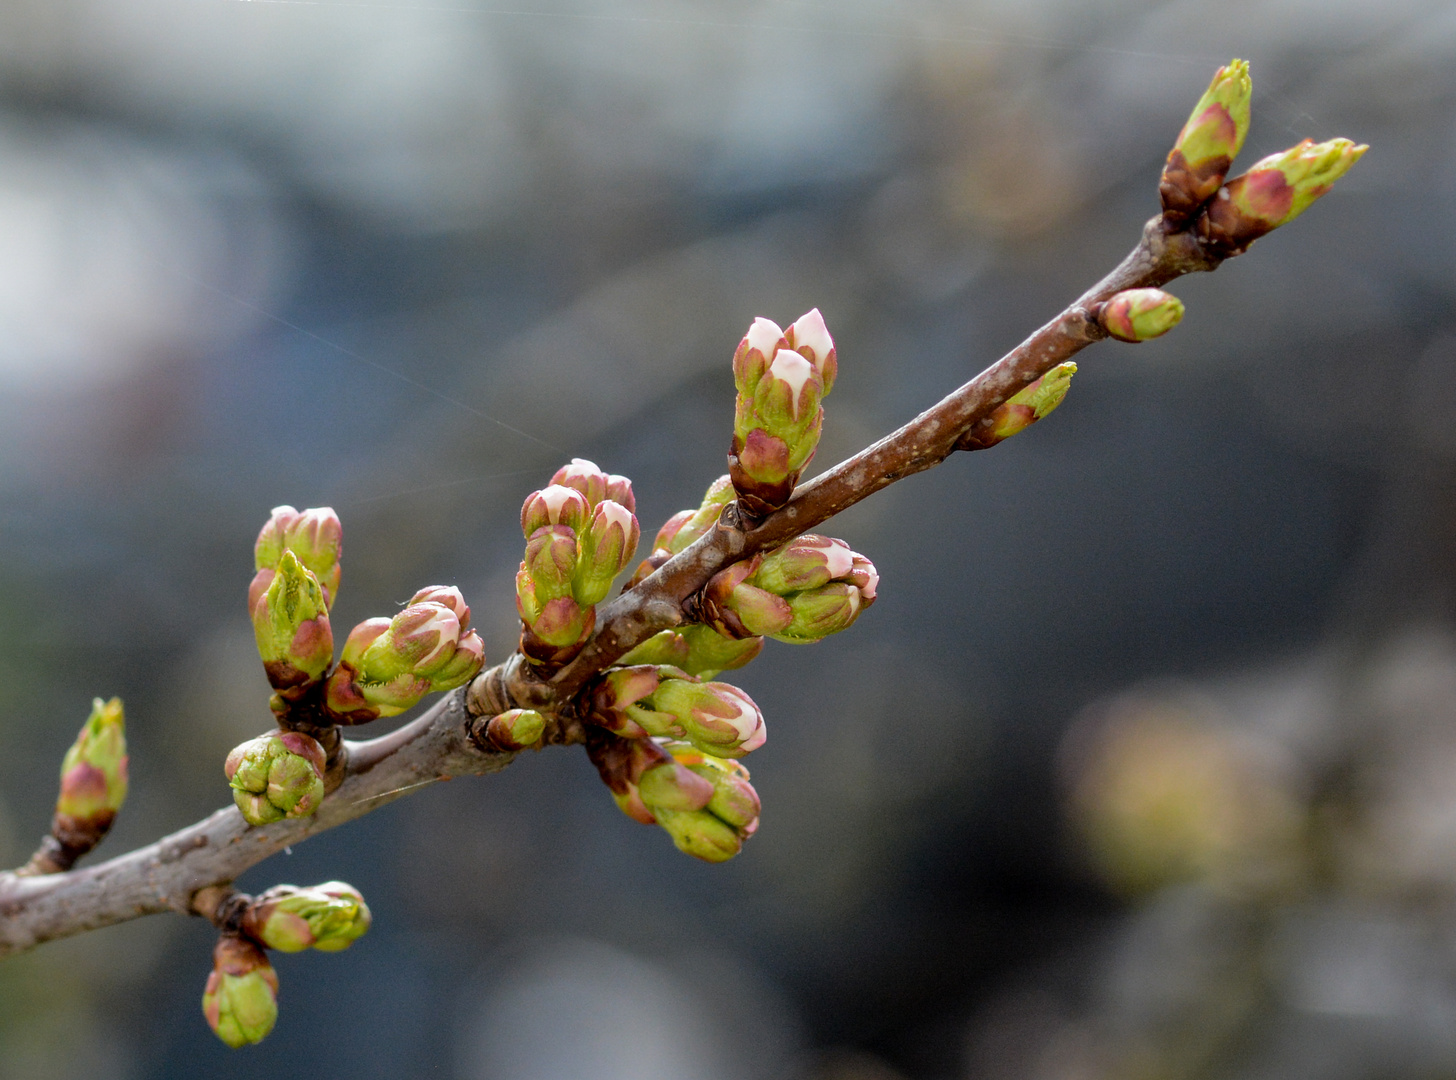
(184, 872)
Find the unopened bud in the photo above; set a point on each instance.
(446, 596)
(291, 626)
(606, 546)
(277, 776)
(715, 717)
(1276, 191)
(240, 1001)
(558, 622)
(1140, 314)
(687, 525)
(696, 649)
(585, 477)
(515, 729)
(420, 640)
(316, 538)
(1025, 407)
(1209, 142)
(755, 352)
(700, 834)
(809, 337)
(554, 505)
(550, 562)
(93, 778)
(328, 917)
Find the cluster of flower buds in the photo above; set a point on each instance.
(1232, 214)
(93, 782)
(296, 581)
(581, 533)
(704, 802)
(647, 700)
(327, 917)
(277, 776)
(241, 997)
(800, 593)
(388, 665)
(1022, 409)
(781, 376)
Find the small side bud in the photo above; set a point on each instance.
(93, 787)
(1207, 145)
(515, 729)
(328, 917)
(240, 1001)
(687, 525)
(1140, 314)
(1024, 408)
(291, 626)
(1275, 191)
(277, 776)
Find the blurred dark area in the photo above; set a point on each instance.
(1143, 765)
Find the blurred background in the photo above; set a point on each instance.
(1143, 766)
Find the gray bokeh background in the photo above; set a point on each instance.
(405, 259)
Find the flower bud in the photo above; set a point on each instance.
(734, 802)
(420, 640)
(327, 917)
(446, 596)
(316, 538)
(758, 347)
(241, 997)
(717, 718)
(700, 834)
(554, 505)
(515, 729)
(1140, 314)
(809, 337)
(276, 776)
(619, 490)
(806, 562)
(696, 649)
(464, 665)
(737, 608)
(606, 546)
(291, 625)
(585, 477)
(1275, 191)
(559, 622)
(1025, 407)
(1208, 143)
(671, 786)
(551, 557)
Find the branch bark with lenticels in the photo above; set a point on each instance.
(558, 689)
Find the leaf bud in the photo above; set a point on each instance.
(276, 776)
(1275, 191)
(93, 778)
(1025, 407)
(240, 1000)
(687, 525)
(1140, 314)
(515, 729)
(1207, 145)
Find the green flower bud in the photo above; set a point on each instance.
(733, 802)
(715, 717)
(697, 650)
(558, 623)
(277, 776)
(800, 593)
(1029, 404)
(606, 546)
(291, 625)
(1140, 314)
(699, 834)
(94, 774)
(327, 917)
(1208, 143)
(241, 997)
(515, 729)
(388, 665)
(550, 561)
(1276, 191)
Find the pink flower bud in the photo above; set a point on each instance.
(585, 477)
(619, 489)
(554, 505)
(751, 360)
(447, 596)
(810, 337)
(607, 545)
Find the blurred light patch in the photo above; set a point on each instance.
(115, 254)
(583, 1010)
